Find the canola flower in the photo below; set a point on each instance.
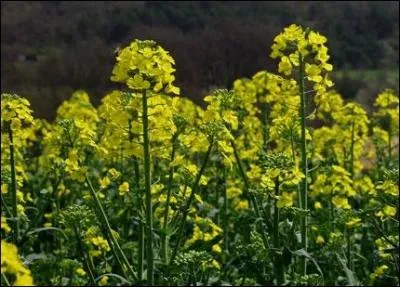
(11, 265)
(149, 187)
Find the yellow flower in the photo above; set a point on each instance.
(80, 271)
(216, 248)
(216, 264)
(316, 39)
(103, 281)
(285, 66)
(123, 188)
(114, 174)
(242, 204)
(104, 182)
(353, 222)
(11, 264)
(317, 205)
(389, 210)
(379, 271)
(198, 199)
(4, 225)
(320, 239)
(24, 280)
(313, 72)
(285, 200)
(340, 202)
(4, 188)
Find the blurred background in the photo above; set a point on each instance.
(49, 49)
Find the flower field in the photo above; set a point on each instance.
(278, 181)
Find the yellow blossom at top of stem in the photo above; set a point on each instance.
(296, 45)
(15, 107)
(144, 65)
(386, 99)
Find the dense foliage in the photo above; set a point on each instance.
(278, 181)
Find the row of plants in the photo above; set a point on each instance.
(277, 181)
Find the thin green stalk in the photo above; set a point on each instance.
(139, 209)
(303, 165)
(6, 282)
(278, 257)
(85, 256)
(141, 231)
(13, 188)
(190, 199)
(299, 203)
(390, 141)
(249, 195)
(8, 211)
(165, 236)
(141, 223)
(348, 237)
(110, 243)
(352, 152)
(104, 219)
(147, 182)
(225, 218)
(141, 250)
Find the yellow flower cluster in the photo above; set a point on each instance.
(96, 243)
(144, 65)
(11, 264)
(204, 230)
(295, 46)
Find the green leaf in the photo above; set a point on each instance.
(37, 230)
(302, 252)
(351, 278)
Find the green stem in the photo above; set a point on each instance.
(106, 225)
(13, 188)
(8, 211)
(141, 232)
(141, 250)
(249, 195)
(165, 236)
(351, 168)
(278, 259)
(389, 141)
(6, 282)
(299, 203)
(225, 218)
(141, 224)
(147, 182)
(303, 164)
(352, 152)
(85, 256)
(189, 201)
